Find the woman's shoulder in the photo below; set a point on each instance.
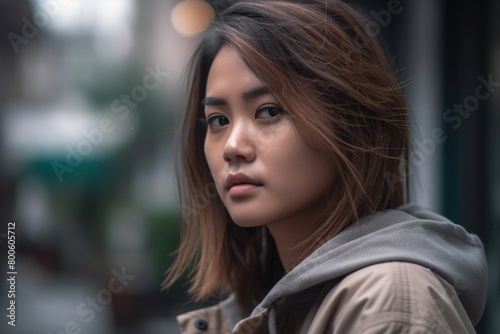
(216, 319)
(205, 320)
(392, 296)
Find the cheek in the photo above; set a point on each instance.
(210, 150)
(215, 161)
(303, 168)
(208, 154)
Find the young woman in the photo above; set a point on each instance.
(294, 165)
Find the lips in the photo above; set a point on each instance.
(240, 179)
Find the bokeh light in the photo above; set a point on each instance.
(190, 17)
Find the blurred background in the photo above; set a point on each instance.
(90, 97)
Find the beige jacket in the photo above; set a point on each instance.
(405, 270)
(393, 297)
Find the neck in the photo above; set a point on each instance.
(285, 240)
(289, 234)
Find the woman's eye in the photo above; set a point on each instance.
(217, 121)
(269, 112)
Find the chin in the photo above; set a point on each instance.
(247, 222)
(247, 219)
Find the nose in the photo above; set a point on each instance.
(240, 144)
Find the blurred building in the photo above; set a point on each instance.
(90, 93)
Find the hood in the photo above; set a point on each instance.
(408, 234)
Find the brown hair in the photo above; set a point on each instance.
(336, 81)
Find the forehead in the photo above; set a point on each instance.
(229, 72)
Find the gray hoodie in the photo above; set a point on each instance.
(408, 234)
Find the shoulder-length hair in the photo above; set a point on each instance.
(334, 78)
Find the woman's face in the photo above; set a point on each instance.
(264, 171)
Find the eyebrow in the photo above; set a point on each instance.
(246, 96)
